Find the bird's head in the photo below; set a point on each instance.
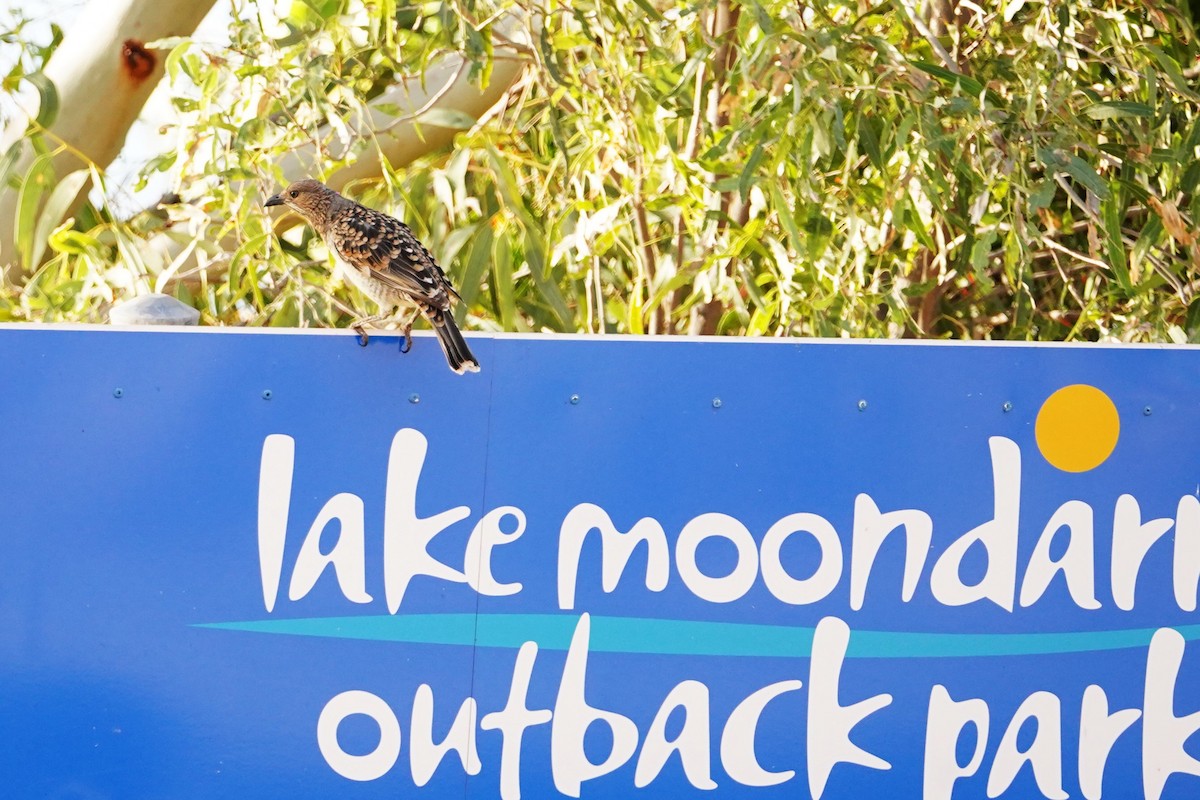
(311, 199)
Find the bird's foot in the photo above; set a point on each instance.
(359, 326)
(404, 348)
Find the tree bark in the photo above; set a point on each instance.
(446, 87)
(103, 75)
(84, 69)
(724, 31)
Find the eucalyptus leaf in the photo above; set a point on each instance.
(61, 198)
(47, 99)
(1117, 109)
(448, 118)
(798, 170)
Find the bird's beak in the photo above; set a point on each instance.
(273, 200)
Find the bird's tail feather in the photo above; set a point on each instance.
(458, 355)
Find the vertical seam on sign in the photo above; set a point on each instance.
(487, 453)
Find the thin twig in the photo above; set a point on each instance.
(431, 102)
(1067, 281)
(1053, 245)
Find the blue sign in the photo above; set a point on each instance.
(252, 564)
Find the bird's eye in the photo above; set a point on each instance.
(293, 193)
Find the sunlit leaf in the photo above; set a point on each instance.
(1116, 109)
(448, 118)
(59, 202)
(33, 188)
(47, 111)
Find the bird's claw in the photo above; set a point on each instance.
(404, 348)
(363, 338)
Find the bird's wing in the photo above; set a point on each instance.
(368, 239)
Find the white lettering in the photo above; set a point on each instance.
(1078, 563)
(823, 580)
(1164, 734)
(871, 528)
(617, 549)
(997, 536)
(737, 740)
(513, 720)
(274, 499)
(366, 767)
(1187, 551)
(1044, 754)
(348, 555)
(829, 722)
(424, 754)
(406, 536)
(573, 716)
(691, 743)
(1132, 539)
(487, 536)
(724, 588)
(1098, 732)
(945, 723)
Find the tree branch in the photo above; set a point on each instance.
(103, 75)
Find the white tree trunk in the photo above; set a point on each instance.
(100, 99)
(446, 87)
(103, 76)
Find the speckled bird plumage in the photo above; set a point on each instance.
(384, 259)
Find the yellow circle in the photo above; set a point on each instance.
(1077, 428)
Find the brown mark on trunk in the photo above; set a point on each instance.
(137, 60)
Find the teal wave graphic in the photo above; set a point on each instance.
(688, 637)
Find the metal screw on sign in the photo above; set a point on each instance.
(862, 405)
(574, 399)
(1007, 406)
(118, 393)
(716, 402)
(266, 395)
(414, 398)
(1147, 411)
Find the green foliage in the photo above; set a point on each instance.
(828, 169)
